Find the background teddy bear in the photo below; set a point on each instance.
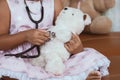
(53, 53)
(95, 8)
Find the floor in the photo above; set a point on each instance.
(115, 68)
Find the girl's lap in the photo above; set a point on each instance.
(78, 66)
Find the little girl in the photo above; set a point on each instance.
(23, 25)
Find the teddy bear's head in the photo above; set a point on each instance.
(73, 19)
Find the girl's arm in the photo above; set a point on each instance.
(7, 41)
(58, 7)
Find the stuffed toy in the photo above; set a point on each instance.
(100, 24)
(53, 53)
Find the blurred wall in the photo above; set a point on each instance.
(114, 15)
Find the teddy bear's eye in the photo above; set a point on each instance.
(65, 8)
(72, 14)
(84, 17)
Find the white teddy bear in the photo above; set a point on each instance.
(53, 53)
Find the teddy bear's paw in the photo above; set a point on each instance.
(98, 27)
(38, 62)
(55, 67)
(103, 5)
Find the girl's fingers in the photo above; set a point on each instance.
(73, 44)
(95, 75)
(44, 33)
(68, 47)
(43, 38)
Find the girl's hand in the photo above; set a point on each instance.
(94, 75)
(37, 37)
(74, 45)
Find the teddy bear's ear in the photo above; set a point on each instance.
(87, 19)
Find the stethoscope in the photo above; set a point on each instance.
(21, 54)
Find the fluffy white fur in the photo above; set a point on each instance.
(53, 53)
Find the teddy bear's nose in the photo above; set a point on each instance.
(65, 8)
